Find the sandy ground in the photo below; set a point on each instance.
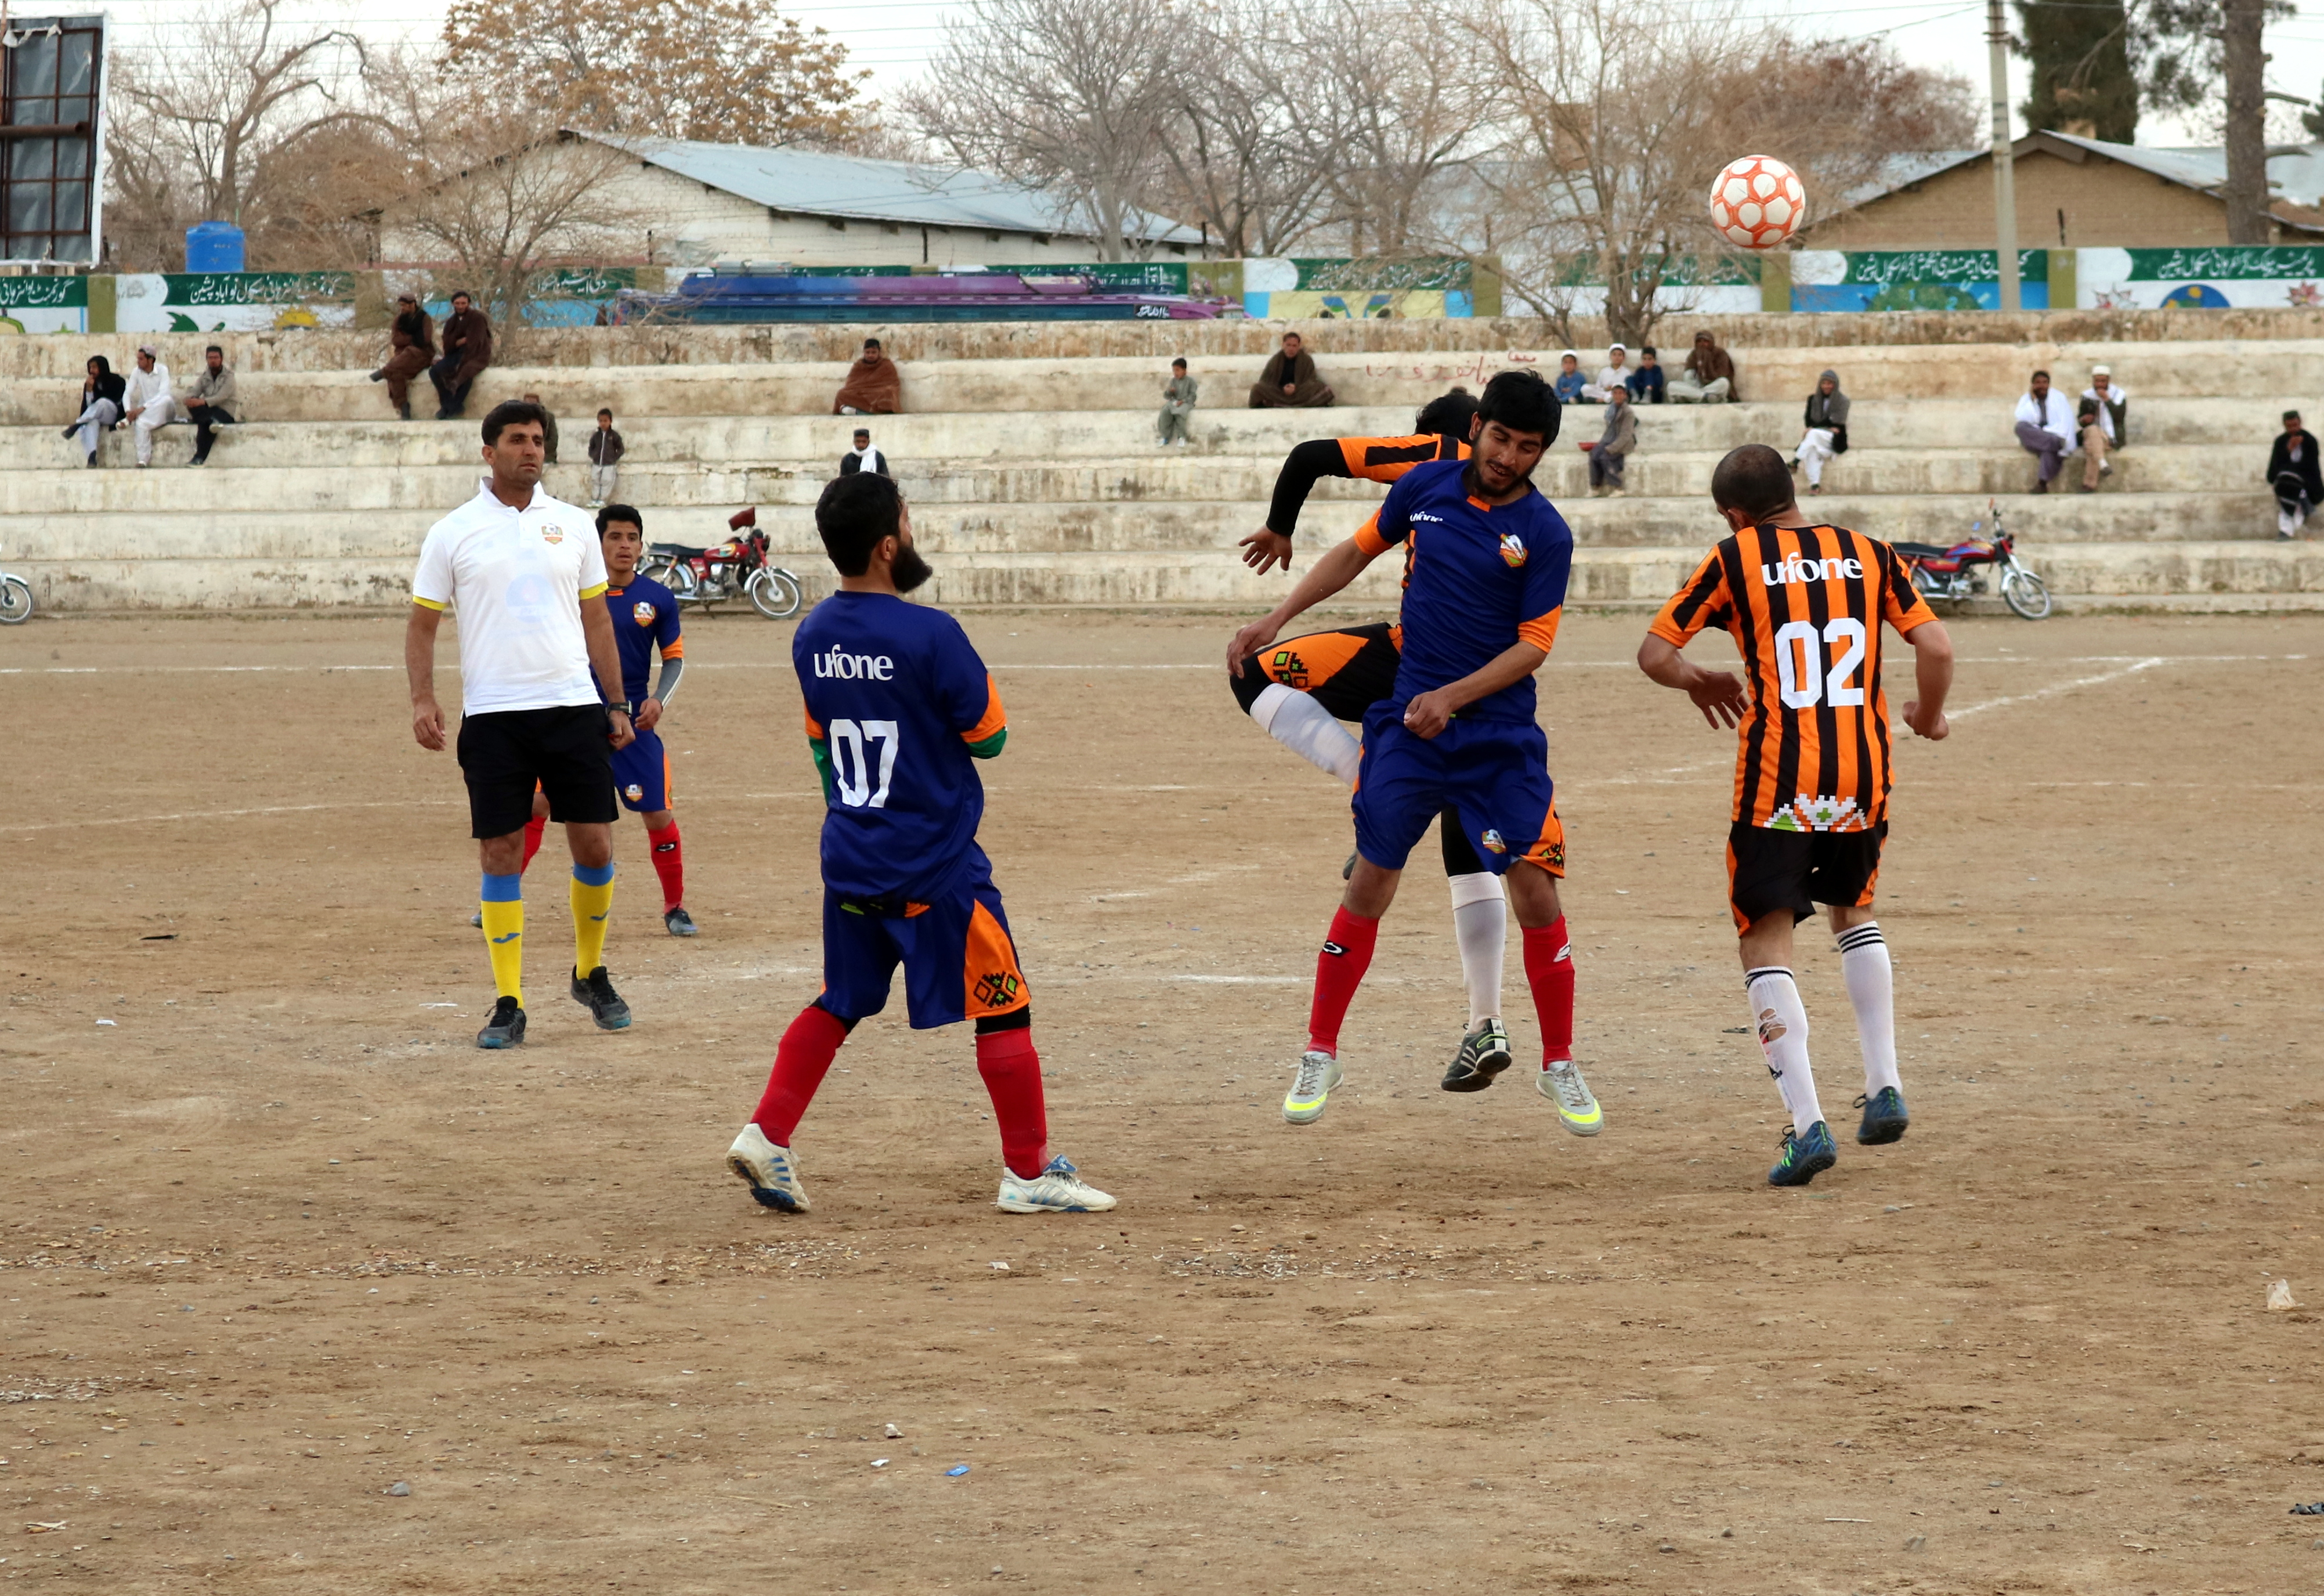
(277, 1237)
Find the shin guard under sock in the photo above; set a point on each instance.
(1012, 1077)
(1308, 729)
(1782, 1022)
(801, 1060)
(1549, 971)
(670, 864)
(503, 902)
(1481, 925)
(1872, 993)
(593, 900)
(1339, 970)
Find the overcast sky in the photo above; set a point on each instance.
(895, 38)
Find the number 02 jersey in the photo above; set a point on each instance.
(898, 705)
(1804, 606)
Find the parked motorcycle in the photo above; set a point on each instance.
(736, 569)
(15, 600)
(1959, 573)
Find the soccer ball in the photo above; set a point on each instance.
(1757, 202)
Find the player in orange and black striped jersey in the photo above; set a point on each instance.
(1805, 601)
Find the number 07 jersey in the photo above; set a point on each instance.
(898, 708)
(1804, 606)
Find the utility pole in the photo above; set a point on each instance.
(2245, 65)
(2005, 179)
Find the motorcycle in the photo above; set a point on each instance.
(15, 600)
(1959, 573)
(736, 569)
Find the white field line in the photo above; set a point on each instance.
(234, 814)
(2052, 691)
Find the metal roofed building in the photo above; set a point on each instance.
(2071, 193)
(739, 203)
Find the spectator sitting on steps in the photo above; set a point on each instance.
(2297, 476)
(1178, 395)
(1708, 377)
(148, 405)
(100, 404)
(547, 430)
(863, 456)
(209, 402)
(1290, 381)
(1612, 452)
(467, 351)
(411, 346)
(1826, 433)
(2113, 403)
(1616, 373)
(875, 387)
(1647, 382)
(1570, 381)
(2044, 429)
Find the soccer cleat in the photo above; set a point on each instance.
(478, 919)
(1484, 1054)
(1804, 1156)
(769, 1171)
(1057, 1189)
(1310, 1087)
(506, 1029)
(594, 992)
(678, 923)
(1348, 870)
(1562, 1084)
(1885, 1118)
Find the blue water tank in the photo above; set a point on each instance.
(214, 246)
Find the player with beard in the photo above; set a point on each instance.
(1486, 562)
(899, 709)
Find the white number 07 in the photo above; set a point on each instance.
(847, 741)
(1800, 669)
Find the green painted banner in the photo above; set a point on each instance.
(256, 288)
(1882, 267)
(2244, 262)
(44, 293)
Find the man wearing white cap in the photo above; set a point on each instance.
(148, 405)
(2108, 404)
(1615, 373)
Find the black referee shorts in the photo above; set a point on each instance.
(567, 752)
(1769, 870)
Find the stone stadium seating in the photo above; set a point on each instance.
(1035, 479)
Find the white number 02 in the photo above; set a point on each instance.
(1800, 668)
(847, 741)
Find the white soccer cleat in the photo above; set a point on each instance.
(1311, 1088)
(771, 1172)
(1562, 1084)
(1057, 1189)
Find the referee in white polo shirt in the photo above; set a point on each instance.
(527, 577)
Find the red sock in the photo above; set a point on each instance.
(801, 1057)
(1549, 971)
(669, 864)
(1339, 970)
(533, 829)
(1012, 1074)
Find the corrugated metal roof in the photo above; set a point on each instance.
(2296, 177)
(858, 189)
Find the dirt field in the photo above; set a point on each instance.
(272, 1219)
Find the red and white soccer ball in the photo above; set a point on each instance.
(1757, 202)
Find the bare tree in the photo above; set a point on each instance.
(1073, 97)
(1237, 159)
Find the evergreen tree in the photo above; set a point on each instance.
(2082, 78)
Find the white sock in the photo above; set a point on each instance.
(1872, 990)
(1783, 1024)
(1308, 729)
(1480, 924)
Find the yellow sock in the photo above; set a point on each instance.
(504, 941)
(593, 900)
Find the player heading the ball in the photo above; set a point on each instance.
(1805, 602)
(898, 710)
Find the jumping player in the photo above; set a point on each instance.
(1298, 691)
(529, 582)
(898, 708)
(1484, 589)
(1805, 601)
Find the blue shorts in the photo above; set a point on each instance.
(641, 774)
(1494, 774)
(959, 960)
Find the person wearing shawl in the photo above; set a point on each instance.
(412, 349)
(875, 387)
(100, 404)
(1708, 376)
(2293, 471)
(1570, 381)
(1290, 381)
(1827, 429)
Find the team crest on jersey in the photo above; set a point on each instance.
(1493, 843)
(634, 792)
(1513, 549)
(643, 612)
(552, 533)
(998, 990)
(1289, 669)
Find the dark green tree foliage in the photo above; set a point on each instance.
(2082, 78)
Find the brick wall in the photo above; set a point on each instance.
(2107, 204)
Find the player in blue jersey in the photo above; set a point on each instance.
(1486, 561)
(899, 709)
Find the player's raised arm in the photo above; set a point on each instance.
(1437, 433)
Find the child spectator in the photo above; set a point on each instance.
(606, 451)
